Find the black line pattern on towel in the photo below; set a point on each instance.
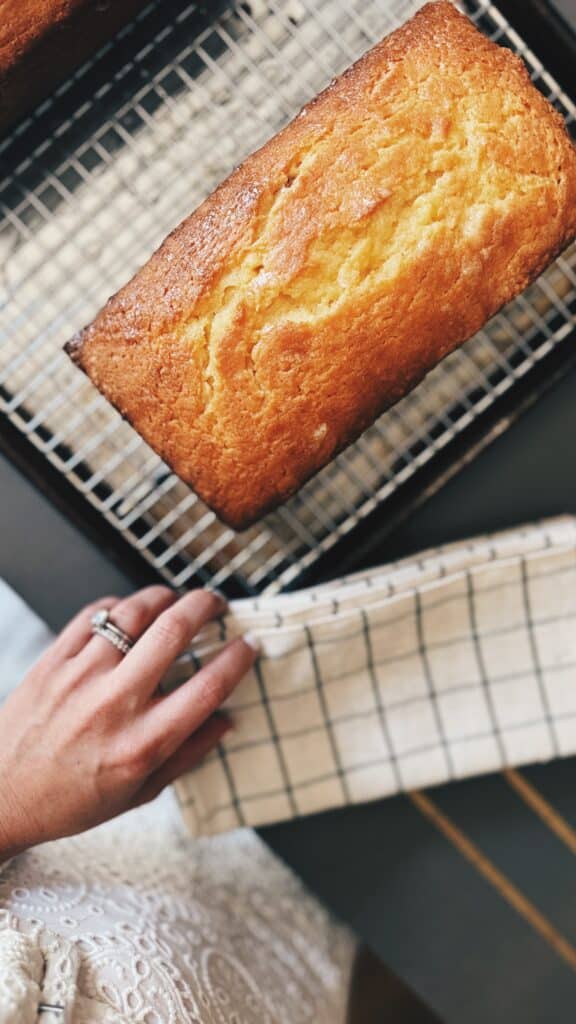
(235, 804)
(519, 626)
(539, 675)
(223, 753)
(375, 763)
(368, 714)
(479, 654)
(406, 616)
(327, 720)
(380, 709)
(394, 705)
(429, 676)
(440, 602)
(485, 681)
(274, 736)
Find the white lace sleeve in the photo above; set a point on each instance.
(136, 922)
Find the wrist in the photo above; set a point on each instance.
(9, 850)
(12, 838)
(9, 847)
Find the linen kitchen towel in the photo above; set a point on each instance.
(454, 663)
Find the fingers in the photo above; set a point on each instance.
(77, 633)
(133, 615)
(167, 638)
(189, 754)
(170, 720)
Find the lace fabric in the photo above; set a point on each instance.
(135, 922)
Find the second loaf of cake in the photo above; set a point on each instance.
(400, 210)
(42, 41)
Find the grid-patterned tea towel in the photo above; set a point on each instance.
(454, 663)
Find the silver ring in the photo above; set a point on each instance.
(103, 626)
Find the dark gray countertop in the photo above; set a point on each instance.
(567, 8)
(382, 867)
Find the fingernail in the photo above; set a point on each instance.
(219, 594)
(253, 642)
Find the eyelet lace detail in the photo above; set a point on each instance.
(134, 922)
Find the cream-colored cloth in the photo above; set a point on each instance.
(454, 663)
(136, 923)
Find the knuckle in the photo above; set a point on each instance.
(69, 678)
(213, 685)
(172, 627)
(133, 760)
(150, 756)
(219, 677)
(132, 617)
(144, 763)
(135, 613)
(115, 704)
(104, 713)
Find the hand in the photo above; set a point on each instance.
(86, 735)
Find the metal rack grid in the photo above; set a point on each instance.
(178, 103)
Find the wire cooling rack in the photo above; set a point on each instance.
(120, 155)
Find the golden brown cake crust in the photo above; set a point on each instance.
(400, 210)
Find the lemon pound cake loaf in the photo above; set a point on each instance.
(400, 210)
